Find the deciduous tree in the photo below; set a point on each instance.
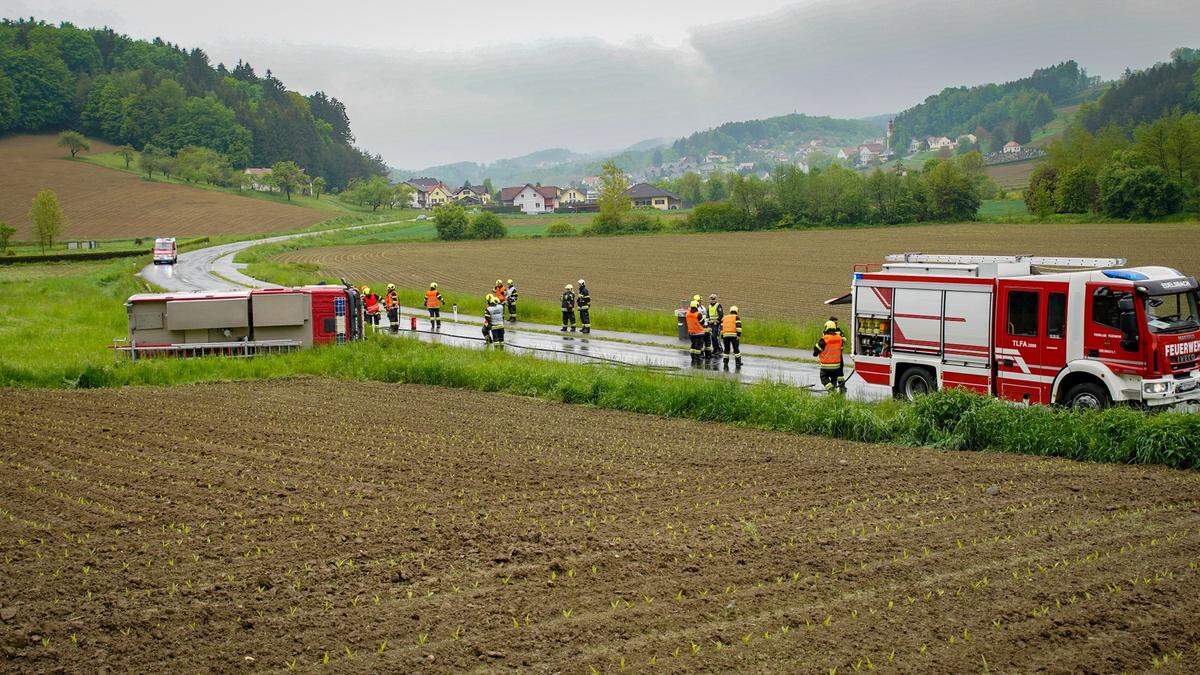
(287, 177)
(127, 153)
(74, 142)
(47, 218)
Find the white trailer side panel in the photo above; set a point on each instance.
(917, 321)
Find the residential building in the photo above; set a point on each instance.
(572, 195)
(968, 138)
(428, 193)
(939, 142)
(847, 154)
(472, 194)
(592, 182)
(259, 179)
(530, 198)
(647, 195)
(915, 145)
(869, 152)
(1012, 146)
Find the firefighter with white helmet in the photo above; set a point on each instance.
(568, 308)
(583, 300)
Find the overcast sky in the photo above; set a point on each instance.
(430, 83)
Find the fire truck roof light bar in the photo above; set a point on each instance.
(1048, 261)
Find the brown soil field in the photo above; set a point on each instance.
(394, 528)
(1014, 175)
(785, 275)
(102, 203)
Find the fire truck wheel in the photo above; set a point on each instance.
(915, 382)
(1086, 395)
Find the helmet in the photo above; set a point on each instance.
(568, 287)
(696, 298)
(712, 296)
(510, 282)
(366, 290)
(733, 310)
(581, 282)
(491, 299)
(433, 285)
(499, 283)
(830, 325)
(695, 304)
(391, 287)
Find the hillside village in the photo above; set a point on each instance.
(646, 191)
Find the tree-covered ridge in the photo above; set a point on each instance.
(733, 136)
(1145, 95)
(136, 92)
(1004, 111)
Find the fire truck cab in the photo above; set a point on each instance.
(1083, 332)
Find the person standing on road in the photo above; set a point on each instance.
(828, 351)
(512, 301)
(371, 305)
(433, 303)
(493, 322)
(696, 330)
(391, 302)
(715, 314)
(568, 308)
(500, 292)
(731, 335)
(584, 302)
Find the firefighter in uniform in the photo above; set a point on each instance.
(371, 305)
(696, 330)
(511, 293)
(433, 302)
(500, 292)
(584, 302)
(833, 323)
(828, 351)
(706, 339)
(731, 335)
(493, 321)
(715, 314)
(568, 308)
(391, 302)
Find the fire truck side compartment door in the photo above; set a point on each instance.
(967, 328)
(917, 321)
(205, 314)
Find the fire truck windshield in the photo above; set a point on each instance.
(1173, 312)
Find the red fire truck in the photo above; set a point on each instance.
(1083, 332)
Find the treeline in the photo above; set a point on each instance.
(1146, 95)
(1150, 171)
(944, 190)
(732, 136)
(999, 112)
(141, 93)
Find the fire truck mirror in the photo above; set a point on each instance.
(1129, 327)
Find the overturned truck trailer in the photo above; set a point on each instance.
(241, 323)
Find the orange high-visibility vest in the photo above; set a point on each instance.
(371, 302)
(729, 325)
(431, 299)
(391, 300)
(831, 356)
(500, 293)
(693, 322)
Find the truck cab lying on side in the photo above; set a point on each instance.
(1083, 332)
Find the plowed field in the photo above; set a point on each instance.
(102, 203)
(386, 528)
(784, 275)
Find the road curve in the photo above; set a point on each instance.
(213, 269)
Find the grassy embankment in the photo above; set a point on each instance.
(70, 351)
(768, 332)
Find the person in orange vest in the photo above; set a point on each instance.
(828, 351)
(696, 331)
(731, 336)
(500, 292)
(433, 302)
(371, 305)
(391, 302)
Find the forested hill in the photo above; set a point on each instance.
(997, 112)
(131, 91)
(774, 131)
(1145, 95)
